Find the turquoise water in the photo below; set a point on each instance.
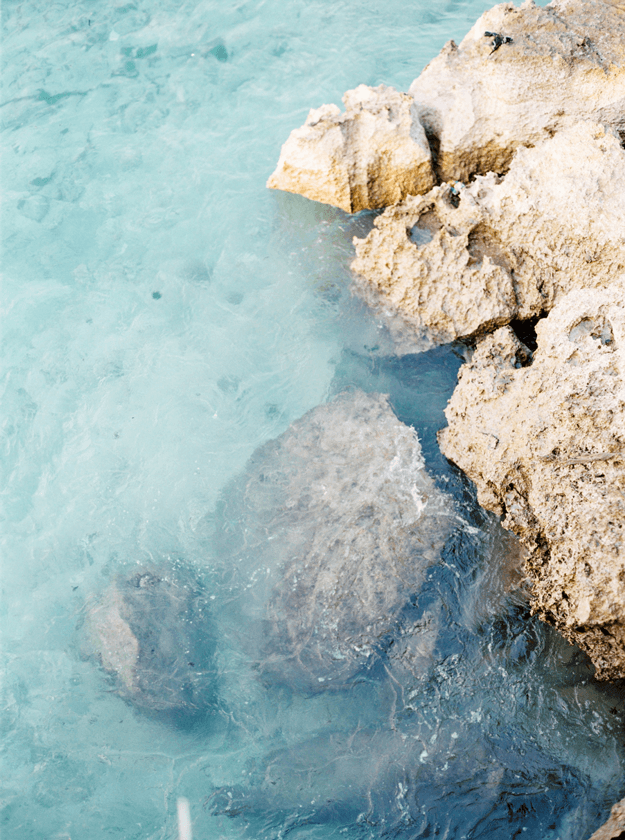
(164, 315)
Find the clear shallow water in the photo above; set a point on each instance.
(163, 316)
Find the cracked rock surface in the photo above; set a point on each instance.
(461, 261)
(545, 446)
(565, 62)
(372, 155)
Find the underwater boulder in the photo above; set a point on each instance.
(152, 633)
(329, 531)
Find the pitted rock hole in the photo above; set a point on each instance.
(425, 229)
(588, 327)
(525, 331)
(483, 243)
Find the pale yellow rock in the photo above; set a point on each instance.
(371, 156)
(545, 446)
(566, 62)
(419, 260)
(461, 261)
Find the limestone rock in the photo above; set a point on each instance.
(371, 156)
(565, 62)
(545, 445)
(615, 826)
(418, 261)
(332, 528)
(461, 261)
(153, 634)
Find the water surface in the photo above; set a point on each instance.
(164, 315)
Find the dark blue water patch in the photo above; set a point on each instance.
(475, 718)
(369, 783)
(418, 385)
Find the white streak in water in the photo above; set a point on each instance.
(184, 819)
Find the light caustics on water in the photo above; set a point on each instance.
(165, 318)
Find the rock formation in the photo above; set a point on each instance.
(528, 112)
(480, 101)
(461, 261)
(614, 828)
(153, 635)
(371, 156)
(332, 526)
(519, 75)
(545, 445)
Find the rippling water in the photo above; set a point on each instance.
(163, 317)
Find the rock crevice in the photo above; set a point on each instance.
(504, 248)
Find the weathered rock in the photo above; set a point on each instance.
(373, 155)
(418, 261)
(614, 828)
(565, 62)
(545, 445)
(461, 261)
(332, 528)
(153, 634)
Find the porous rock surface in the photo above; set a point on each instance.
(152, 633)
(614, 828)
(545, 445)
(332, 527)
(461, 261)
(371, 156)
(565, 62)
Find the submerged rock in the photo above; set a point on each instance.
(462, 261)
(152, 633)
(371, 156)
(331, 529)
(519, 75)
(545, 446)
